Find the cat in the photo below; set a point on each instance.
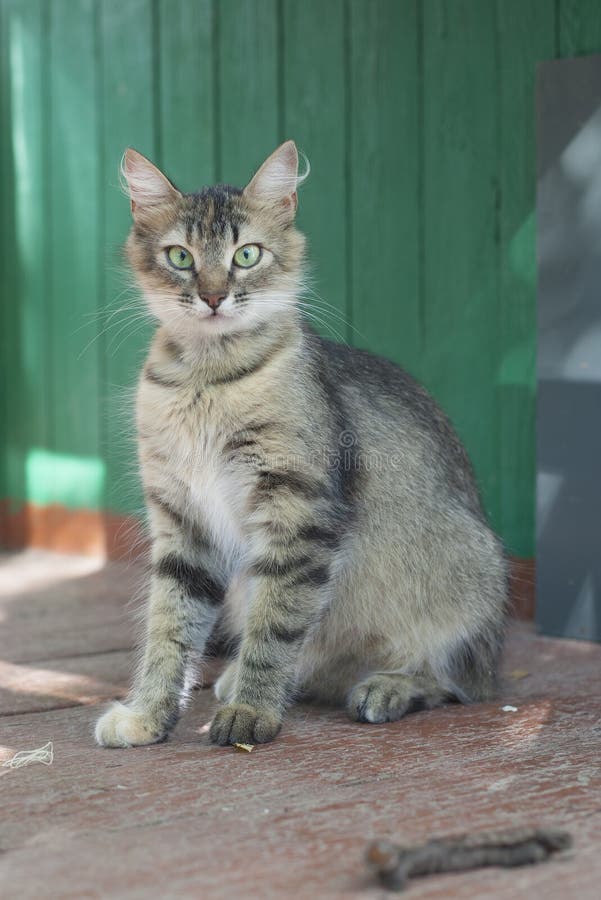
(309, 497)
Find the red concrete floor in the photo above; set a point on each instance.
(291, 819)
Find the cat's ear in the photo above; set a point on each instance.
(146, 185)
(275, 182)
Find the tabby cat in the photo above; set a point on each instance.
(309, 499)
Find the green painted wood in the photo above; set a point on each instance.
(25, 351)
(526, 34)
(187, 89)
(460, 159)
(247, 87)
(10, 484)
(314, 38)
(418, 120)
(579, 27)
(6, 221)
(71, 282)
(129, 82)
(384, 178)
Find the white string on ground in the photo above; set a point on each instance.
(43, 755)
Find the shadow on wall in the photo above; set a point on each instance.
(569, 357)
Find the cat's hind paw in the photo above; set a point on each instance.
(386, 698)
(239, 723)
(122, 726)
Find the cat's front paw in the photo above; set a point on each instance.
(239, 723)
(122, 726)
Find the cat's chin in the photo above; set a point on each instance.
(220, 324)
(206, 327)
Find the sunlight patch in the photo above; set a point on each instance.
(72, 481)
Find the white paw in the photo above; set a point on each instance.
(224, 686)
(121, 726)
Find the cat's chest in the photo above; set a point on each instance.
(198, 473)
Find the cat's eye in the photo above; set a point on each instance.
(247, 256)
(180, 257)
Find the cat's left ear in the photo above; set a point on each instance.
(275, 182)
(146, 185)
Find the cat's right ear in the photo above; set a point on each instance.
(145, 184)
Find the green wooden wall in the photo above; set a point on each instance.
(418, 118)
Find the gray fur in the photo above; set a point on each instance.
(311, 496)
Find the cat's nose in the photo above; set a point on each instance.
(213, 300)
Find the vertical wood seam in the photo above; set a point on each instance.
(280, 63)
(48, 99)
(156, 84)
(5, 486)
(421, 223)
(348, 172)
(499, 416)
(101, 225)
(217, 154)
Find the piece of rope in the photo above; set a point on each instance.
(512, 847)
(43, 755)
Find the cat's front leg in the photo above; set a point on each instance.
(185, 596)
(290, 591)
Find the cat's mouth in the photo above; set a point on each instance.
(217, 319)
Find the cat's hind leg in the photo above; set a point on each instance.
(388, 696)
(467, 675)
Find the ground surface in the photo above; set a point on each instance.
(291, 819)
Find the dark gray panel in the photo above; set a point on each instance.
(569, 351)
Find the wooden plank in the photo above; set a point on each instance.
(461, 194)
(78, 681)
(186, 65)
(314, 41)
(72, 281)
(384, 178)
(57, 684)
(526, 35)
(54, 607)
(293, 818)
(129, 73)
(579, 27)
(24, 232)
(248, 129)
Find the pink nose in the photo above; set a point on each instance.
(213, 300)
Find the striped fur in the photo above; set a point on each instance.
(310, 497)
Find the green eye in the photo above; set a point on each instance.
(247, 256)
(180, 257)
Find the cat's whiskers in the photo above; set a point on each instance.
(134, 315)
(334, 309)
(313, 304)
(310, 313)
(132, 327)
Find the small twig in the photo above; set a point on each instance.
(513, 847)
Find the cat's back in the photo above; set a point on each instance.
(375, 379)
(393, 414)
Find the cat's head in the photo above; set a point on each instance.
(219, 260)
